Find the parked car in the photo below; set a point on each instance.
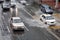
(5, 6)
(46, 9)
(1, 1)
(48, 19)
(17, 24)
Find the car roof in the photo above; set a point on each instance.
(46, 14)
(16, 18)
(5, 3)
(13, 0)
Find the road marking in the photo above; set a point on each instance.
(11, 10)
(53, 34)
(8, 29)
(26, 28)
(16, 11)
(27, 12)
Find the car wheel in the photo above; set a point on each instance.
(45, 22)
(41, 19)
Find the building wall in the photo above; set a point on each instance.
(47, 0)
(51, 3)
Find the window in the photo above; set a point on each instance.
(16, 21)
(49, 18)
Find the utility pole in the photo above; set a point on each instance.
(56, 4)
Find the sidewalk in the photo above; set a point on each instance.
(57, 16)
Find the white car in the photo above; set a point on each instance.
(17, 24)
(48, 19)
(5, 6)
(13, 3)
(23, 2)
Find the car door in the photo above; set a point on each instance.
(43, 9)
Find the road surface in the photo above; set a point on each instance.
(35, 32)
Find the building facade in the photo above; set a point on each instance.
(53, 3)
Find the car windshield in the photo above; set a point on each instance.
(6, 5)
(47, 7)
(16, 21)
(49, 18)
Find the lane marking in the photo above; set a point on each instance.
(26, 28)
(16, 11)
(8, 29)
(27, 12)
(11, 10)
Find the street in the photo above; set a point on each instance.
(34, 28)
(35, 32)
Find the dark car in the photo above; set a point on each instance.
(1, 1)
(46, 9)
